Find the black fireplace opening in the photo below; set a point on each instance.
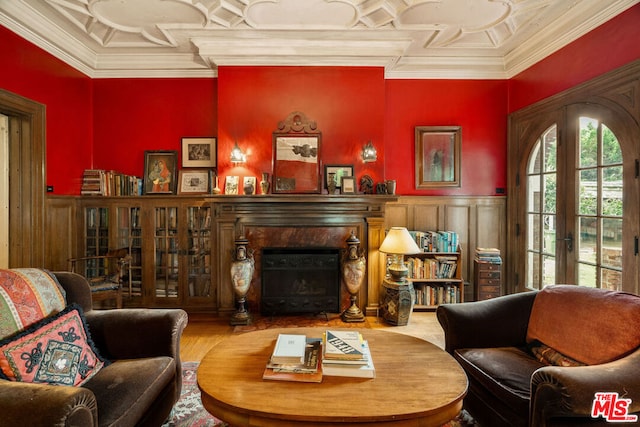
(300, 280)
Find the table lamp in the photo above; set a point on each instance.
(398, 294)
(397, 244)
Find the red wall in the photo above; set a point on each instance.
(110, 123)
(479, 106)
(606, 48)
(134, 115)
(347, 104)
(67, 94)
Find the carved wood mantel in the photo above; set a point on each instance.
(285, 220)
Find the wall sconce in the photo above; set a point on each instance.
(237, 156)
(369, 153)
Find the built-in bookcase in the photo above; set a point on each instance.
(169, 240)
(436, 273)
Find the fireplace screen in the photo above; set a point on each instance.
(300, 280)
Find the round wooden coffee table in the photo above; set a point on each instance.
(416, 384)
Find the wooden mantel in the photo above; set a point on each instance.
(299, 220)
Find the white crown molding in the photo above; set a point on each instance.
(74, 53)
(559, 34)
(458, 67)
(398, 51)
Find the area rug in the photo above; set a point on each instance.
(189, 412)
(331, 320)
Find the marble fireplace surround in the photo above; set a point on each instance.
(302, 221)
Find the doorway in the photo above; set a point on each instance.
(574, 188)
(26, 183)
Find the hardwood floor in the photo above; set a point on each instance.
(204, 331)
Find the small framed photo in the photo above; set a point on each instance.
(340, 172)
(199, 153)
(231, 184)
(348, 185)
(249, 185)
(160, 172)
(193, 181)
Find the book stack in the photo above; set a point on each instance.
(295, 358)
(99, 182)
(346, 354)
(436, 241)
(490, 255)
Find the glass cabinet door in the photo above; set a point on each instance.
(96, 229)
(199, 251)
(166, 253)
(129, 235)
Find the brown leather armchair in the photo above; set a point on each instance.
(139, 387)
(495, 343)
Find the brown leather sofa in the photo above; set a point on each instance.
(539, 358)
(139, 387)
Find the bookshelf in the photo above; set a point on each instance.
(436, 273)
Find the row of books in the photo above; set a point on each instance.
(490, 255)
(300, 358)
(436, 241)
(100, 182)
(438, 267)
(437, 294)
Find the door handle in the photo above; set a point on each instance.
(569, 240)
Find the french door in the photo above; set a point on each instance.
(574, 213)
(575, 203)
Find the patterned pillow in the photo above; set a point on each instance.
(56, 350)
(27, 295)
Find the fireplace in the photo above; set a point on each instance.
(300, 280)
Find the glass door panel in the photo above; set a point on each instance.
(199, 251)
(167, 253)
(599, 206)
(541, 210)
(129, 235)
(96, 240)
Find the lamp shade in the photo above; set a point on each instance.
(399, 241)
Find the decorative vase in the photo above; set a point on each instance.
(354, 267)
(241, 274)
(264, 184)
(248, 189)
(331, 183)
(216, 188)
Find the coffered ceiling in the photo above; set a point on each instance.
(492, 39)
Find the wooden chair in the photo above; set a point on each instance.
(104, 273)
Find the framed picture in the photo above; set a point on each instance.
(296, 155)
(249, 185)
(199, 153)
(340, 171)
(160, 172)
(231, 184)
(193, 181)
(296, 166)
(437, 156)
(348, 185)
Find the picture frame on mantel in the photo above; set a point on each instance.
(437, 156)
(296, 156)
(160, 172)
(193, 181)
(199, 152)
(340, 172)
